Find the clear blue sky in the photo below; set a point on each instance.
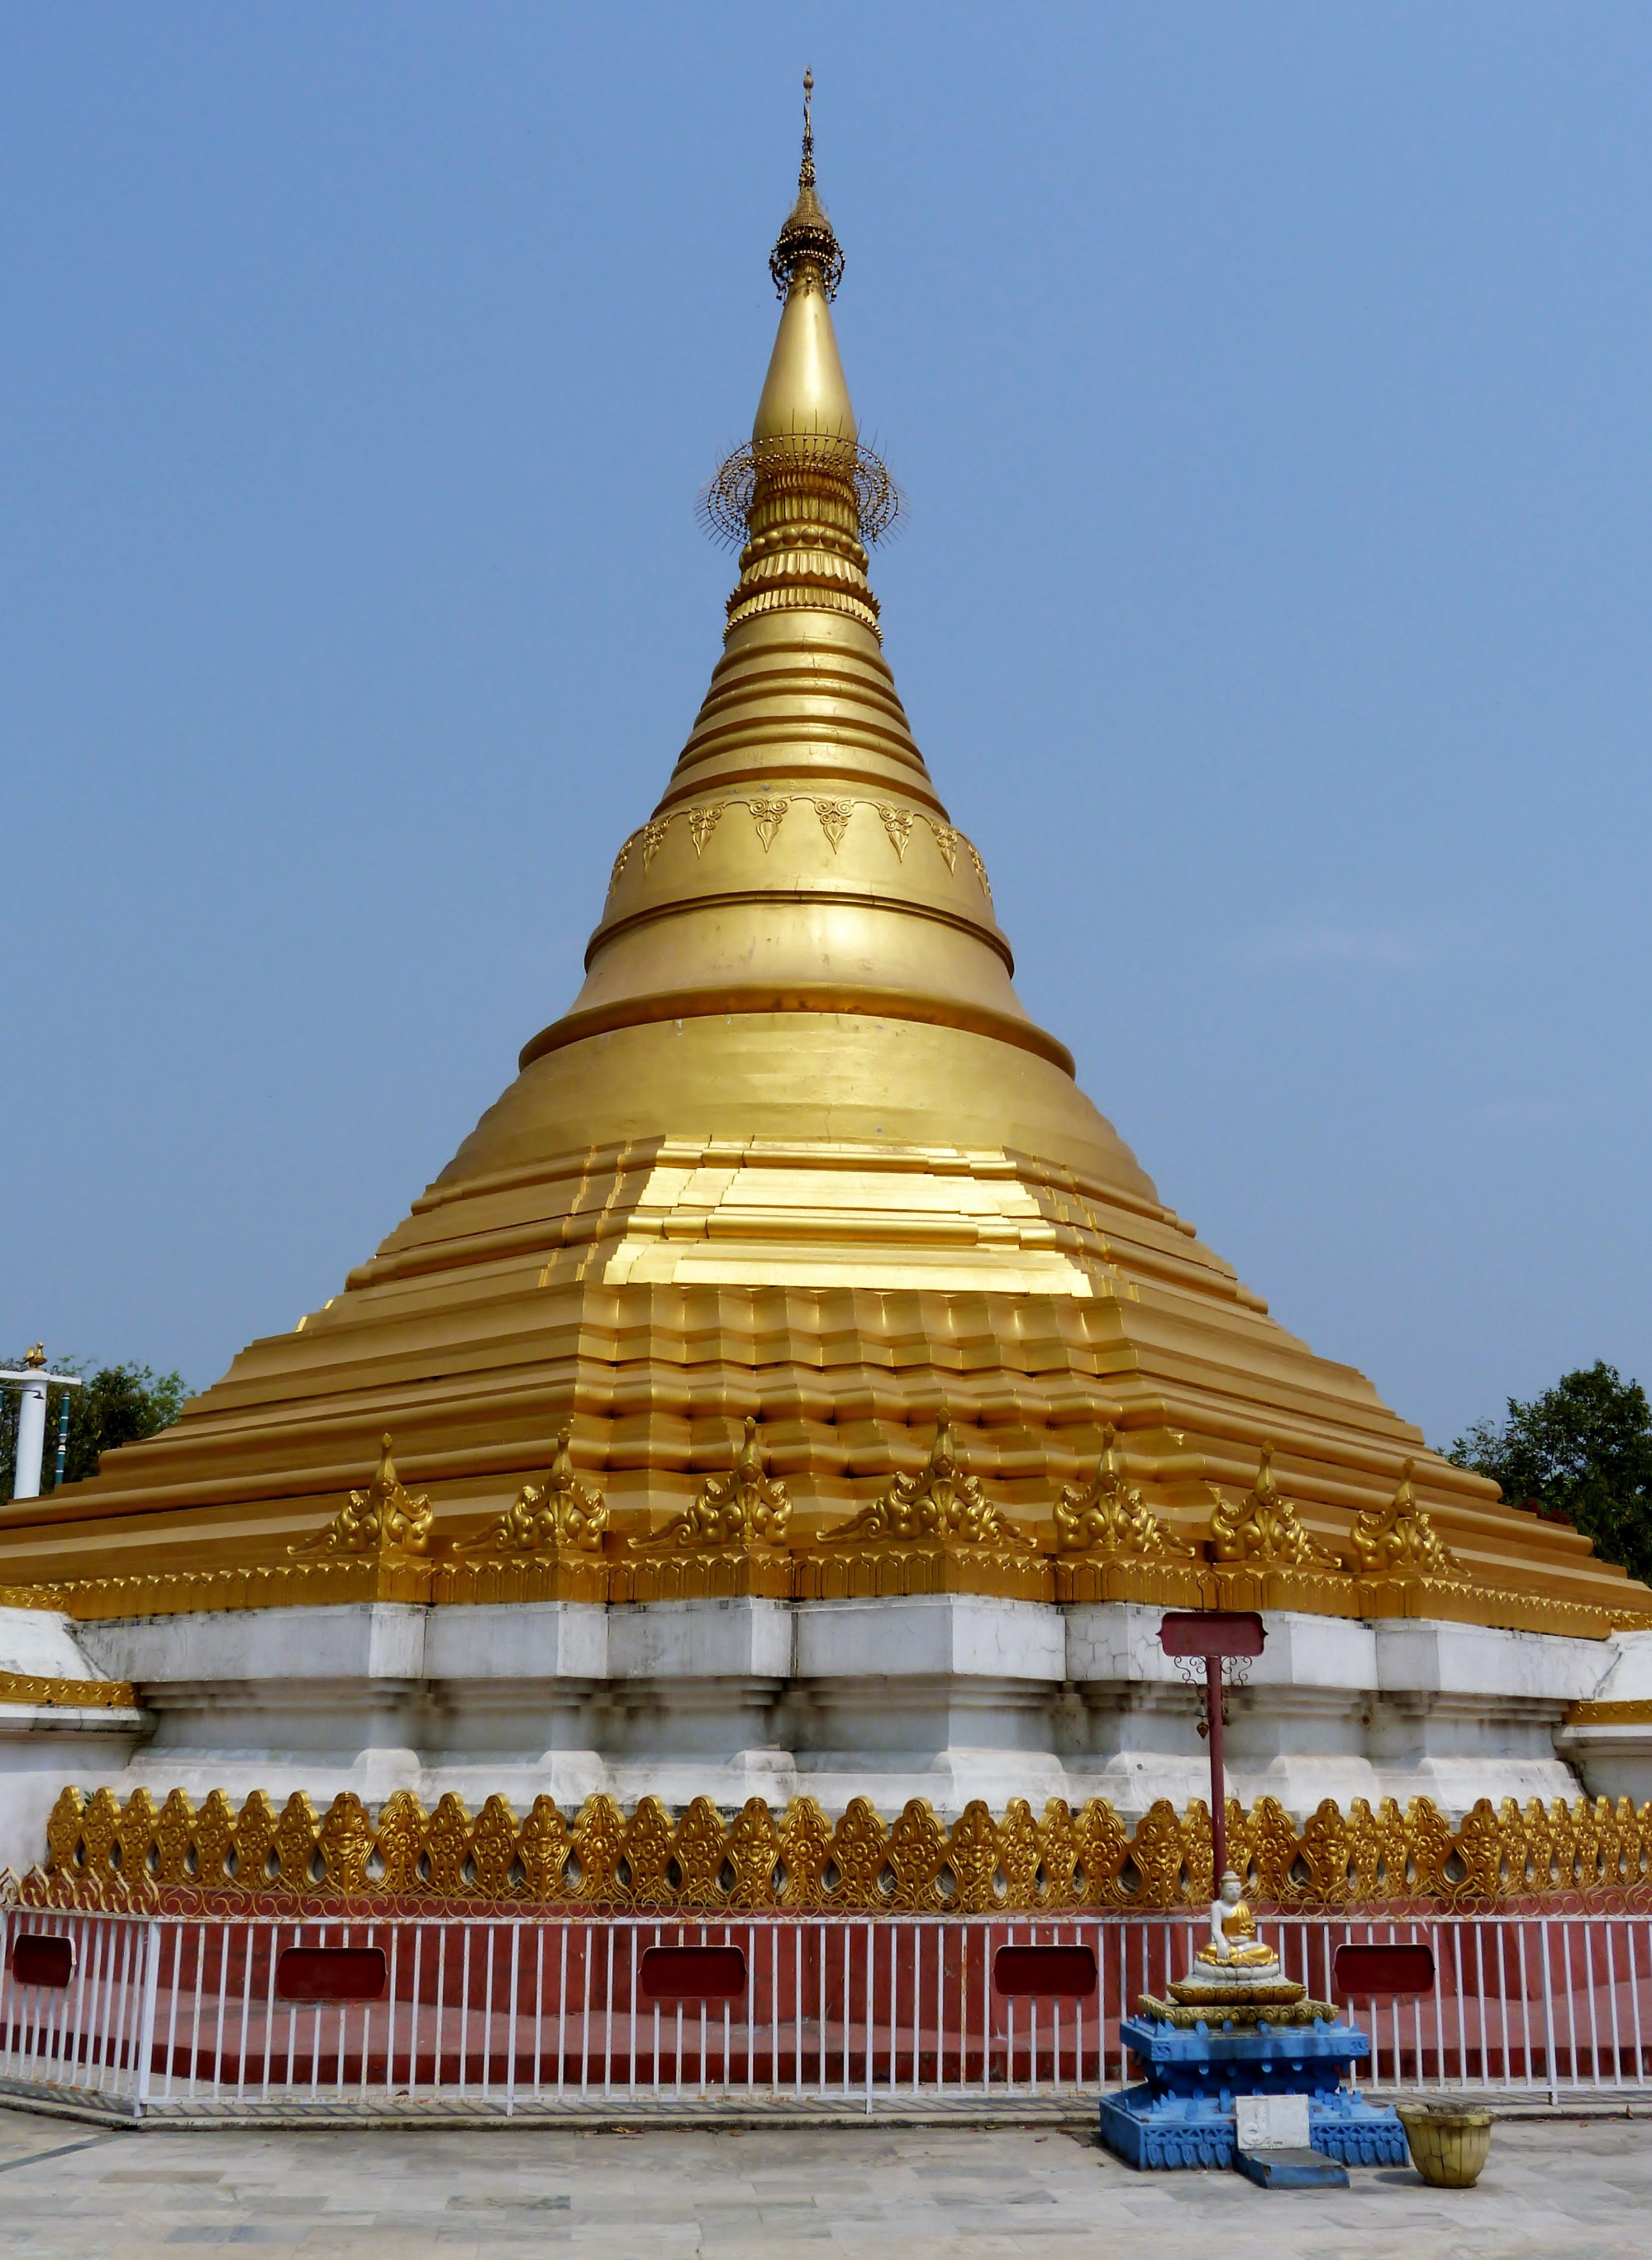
(1272, 388)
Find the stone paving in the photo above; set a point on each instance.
(1567, 2190)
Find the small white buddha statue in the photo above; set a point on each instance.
(1234, 1946)
(1235, 1973)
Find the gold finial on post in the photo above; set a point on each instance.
(804, 493)
(807, 252)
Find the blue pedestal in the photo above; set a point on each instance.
(1182, 2115)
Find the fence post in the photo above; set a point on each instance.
(146, 2016)
(1549, 2014)
(509, 2066)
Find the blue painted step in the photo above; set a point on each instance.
(1285, 2169)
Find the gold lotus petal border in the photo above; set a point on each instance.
(103, 1853)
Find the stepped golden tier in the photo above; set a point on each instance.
(795, 1155)
(794, 1399)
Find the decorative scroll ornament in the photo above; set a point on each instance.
(898, 822)
(768, 816)
(833, 817)
(544, 1520)
(941, 1501)
(935, 1532)
(1262, 1529)
(744, 1508)
(100, 1853)
(384, 1518)
(732, 1541)
(1109, 1515)
(1399, 1540)
(949, 838)
(345, 1840)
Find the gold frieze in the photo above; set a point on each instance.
(703, 1860)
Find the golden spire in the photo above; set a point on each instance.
(806, 245)
(800, 866)
(804, 497)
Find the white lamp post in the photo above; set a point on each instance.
(33, 1380)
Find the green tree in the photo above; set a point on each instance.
(1581, 1452)
(118, 1404)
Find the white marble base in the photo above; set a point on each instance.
(1614, 1755)
(42, 1745)
(944, 1698)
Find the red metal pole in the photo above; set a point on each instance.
(1219, 1787)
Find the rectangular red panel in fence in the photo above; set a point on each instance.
(40, 1961)
(693, 1973)
(1386, 1973)
(1045, 1973)
(331, 1973)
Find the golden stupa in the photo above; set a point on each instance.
(797, 1154)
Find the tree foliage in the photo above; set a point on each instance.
(1581, 1452)
(118, 1404)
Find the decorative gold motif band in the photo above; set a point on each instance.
(701, 1860)
(832, 815)
(932, 1532)
(22, 1687)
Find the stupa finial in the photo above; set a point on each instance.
(806, 256)
(805, 171)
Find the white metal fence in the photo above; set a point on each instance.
(156, 2013)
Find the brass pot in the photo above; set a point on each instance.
(1448, 2147)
